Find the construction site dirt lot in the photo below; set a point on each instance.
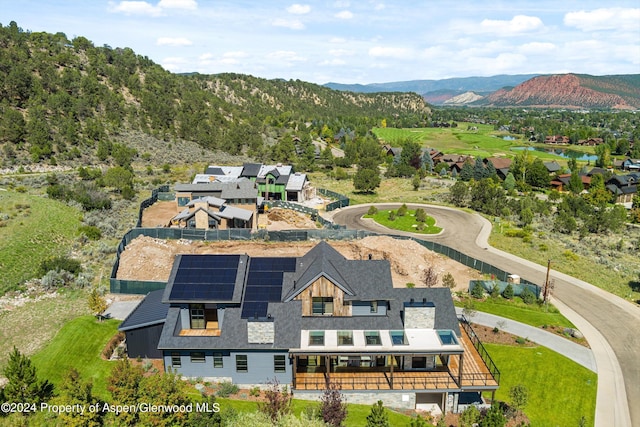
(146, 258)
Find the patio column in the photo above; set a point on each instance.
(391, 359)
(327, 368)
(295, 369)
(460, 370)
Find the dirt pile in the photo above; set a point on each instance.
(285, 219)
(146, 258)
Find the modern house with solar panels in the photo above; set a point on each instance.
(310, 321)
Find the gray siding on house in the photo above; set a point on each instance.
(260, 366)
(363, 308)
(143, 342)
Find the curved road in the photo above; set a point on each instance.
(610, 324)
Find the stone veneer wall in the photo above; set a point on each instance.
(260, 332)
(399, 399)
(419, 317)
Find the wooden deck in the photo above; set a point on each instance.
(474, 374)
(210, 331)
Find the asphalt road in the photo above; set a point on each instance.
(610, 324)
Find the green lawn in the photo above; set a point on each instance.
(78, 345)
(32, 228)
(356, 414)
(516, 309)
(560, 390)
(405, 223)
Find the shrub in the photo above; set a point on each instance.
(508, 292)
(495, 291)
(402, 210)
(449, 281)
(92, 232)
(372, 210)
(112, 345)
(226, 389)
(421, 215)
(520, 340)
(60, 263)
(430, 277)
(477, 291)
(332, 407)
(254, 391)
(392, 215)
(411, 285)
(277, 402)
(528, 296)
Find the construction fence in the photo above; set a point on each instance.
(138, 287)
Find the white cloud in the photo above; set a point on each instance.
(535, 48)
(135, 8)
(173, 41)
(332, 62)
(604, 19)
(175, 63)
(299, 9)
(285, 55)
(337, 40)
(205, 56)
(390, 52)
(340, 52)
(345, 14)
(292, 24)
(341, 4)
(379, 6)
(518, 25)
(178, 4)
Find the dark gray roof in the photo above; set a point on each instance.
(552, 166)
(242, 188)
(251, 169)
(150, 311)
(214, 170)
(234, 333)
(361, 280)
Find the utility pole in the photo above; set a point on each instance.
(546, 284)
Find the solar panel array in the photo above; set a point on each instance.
(205, 277)
(264, 284)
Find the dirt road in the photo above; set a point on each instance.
(609, 323)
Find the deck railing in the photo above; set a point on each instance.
(484, 354)
(376, 382)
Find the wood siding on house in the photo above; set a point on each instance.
(324, 288)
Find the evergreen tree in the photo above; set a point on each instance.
(366, 180)
(378, 416)
(74, 391)
(23, 385)
(493, 418)
(467, 172)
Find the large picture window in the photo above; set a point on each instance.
(322, 306)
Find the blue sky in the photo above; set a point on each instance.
(364, 41)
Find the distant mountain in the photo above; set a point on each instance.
(571, 91)
(456, 85)
(463, 99)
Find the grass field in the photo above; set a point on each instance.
(560, 390)
(485, 142)
(516, 309)
(32, 228)
(78, 345)
(405, 223)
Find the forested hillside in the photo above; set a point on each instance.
(64, 100)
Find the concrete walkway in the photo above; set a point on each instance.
(576, 352)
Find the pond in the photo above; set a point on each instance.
(509, 138)
(561, 152)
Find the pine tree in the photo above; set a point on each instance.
(378, 416)
(23, 385)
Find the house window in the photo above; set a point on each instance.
(316, 338)
(197, 316)
(322, 306)
(241, 363)
(374, 307)
(398, 338)
(217, 360)
(197, 357)
(176, 361)
(372, 338)
(279, 363)
(345, 337)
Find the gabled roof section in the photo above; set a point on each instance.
(210, 200)
(251, 170)
(321, 260)
(149, 312)
(296, 182)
